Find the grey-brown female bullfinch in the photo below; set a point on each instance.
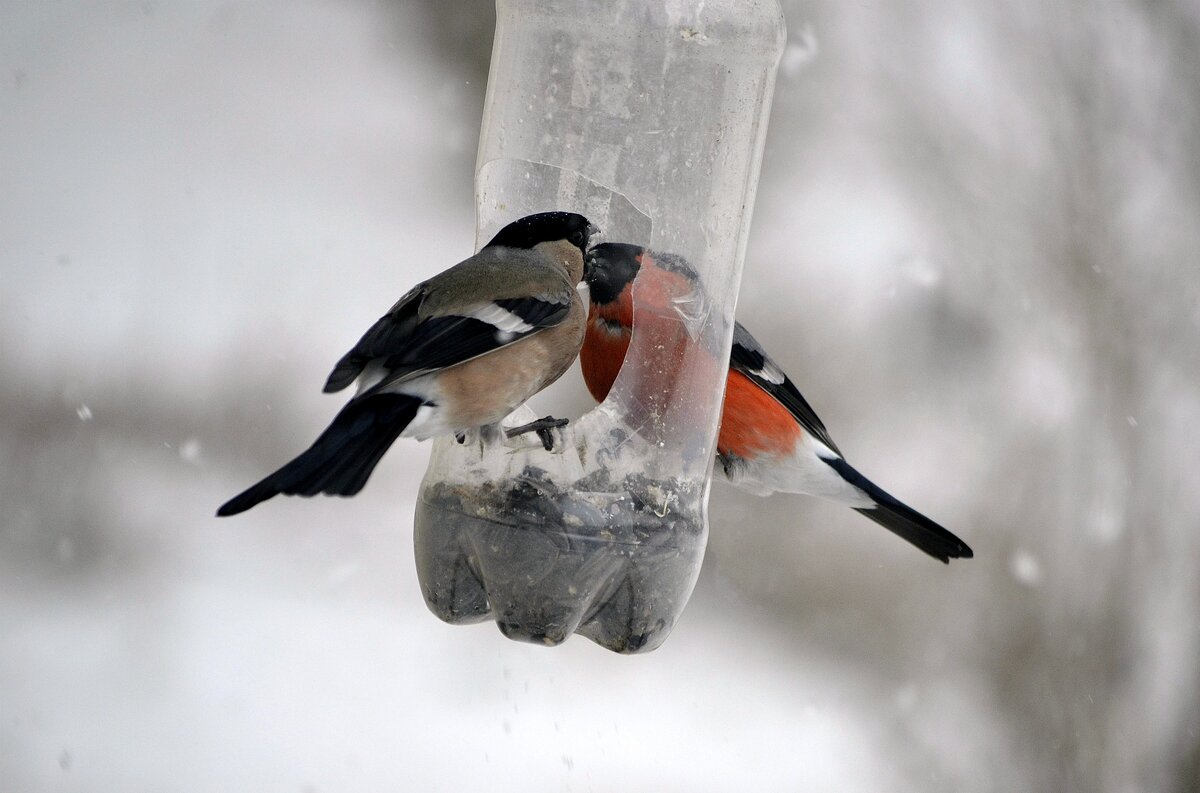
(770, 439)
(458, 352)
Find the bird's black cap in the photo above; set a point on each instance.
(545, 227)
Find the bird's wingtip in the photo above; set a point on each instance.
(230, 508)
(247, 499)
(336, 381)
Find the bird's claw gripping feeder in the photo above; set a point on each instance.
(648, 117)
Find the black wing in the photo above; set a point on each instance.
(407, 345)
(749, 358)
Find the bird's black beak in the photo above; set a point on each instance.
(589, 252)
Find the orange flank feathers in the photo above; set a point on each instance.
(605, 345)
(757, 424)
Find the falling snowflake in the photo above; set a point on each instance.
(1026, 568)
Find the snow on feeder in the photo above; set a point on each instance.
(648, 117)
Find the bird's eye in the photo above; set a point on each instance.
(576, 238)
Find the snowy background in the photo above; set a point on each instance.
(976, 248)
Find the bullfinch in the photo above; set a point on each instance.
(770, 438)
(459, 352)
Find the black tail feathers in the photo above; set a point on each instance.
(902, 519)
(342, 458)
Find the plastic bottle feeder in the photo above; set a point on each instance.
(648, 117)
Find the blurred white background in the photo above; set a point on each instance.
(975, 249)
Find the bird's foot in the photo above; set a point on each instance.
(542, 427)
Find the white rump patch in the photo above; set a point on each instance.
(429, 422)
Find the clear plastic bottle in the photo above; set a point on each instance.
(648, 117)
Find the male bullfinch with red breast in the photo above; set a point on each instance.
(458, 352)
(770, 439)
